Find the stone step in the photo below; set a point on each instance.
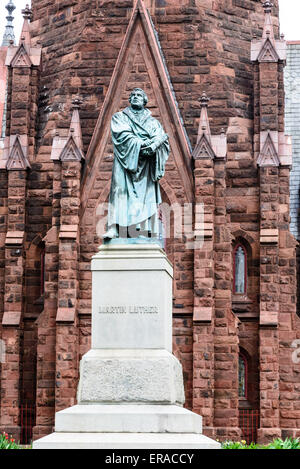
(125, 441)
(128, 419)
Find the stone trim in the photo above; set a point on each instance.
(202, 314)
(17, 159)
(268, 318)
(14, 238)
(65, 315)
(11, 318)
(269, 236)
(68, 232)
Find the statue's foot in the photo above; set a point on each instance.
(110, 234)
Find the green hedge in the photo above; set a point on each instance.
(288, 443)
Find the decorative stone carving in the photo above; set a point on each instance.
(71, 152)
(21, 58)
(268, 155)
(208, 146)
(17, 159)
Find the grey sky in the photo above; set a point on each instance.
(18, 21)
(289, 18)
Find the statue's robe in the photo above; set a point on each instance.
(135, 192)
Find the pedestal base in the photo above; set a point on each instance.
(126, 427)
(130, 376)
(126, 441)
(127, 419)
(131, 386)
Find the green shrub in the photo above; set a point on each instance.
(288, 443)
(238, 445)
(7, 443)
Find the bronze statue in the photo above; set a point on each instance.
(141, 149)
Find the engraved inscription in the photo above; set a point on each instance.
(128, 310)
(112, 309)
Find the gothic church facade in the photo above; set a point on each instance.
(213, 72)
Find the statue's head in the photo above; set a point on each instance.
(138, 98)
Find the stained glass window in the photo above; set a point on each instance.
(42, 285)
(242, 376)
(240, 270)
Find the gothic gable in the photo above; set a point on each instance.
(268, 52)
(140, 64)
(17, 159)
(71, 152)
(21, 58)
(203, 149)
(269, 155)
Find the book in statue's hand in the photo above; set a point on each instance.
(151, 148)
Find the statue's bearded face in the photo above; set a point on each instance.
(137, 99)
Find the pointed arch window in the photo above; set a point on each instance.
(243, 376)
(42, 278)
(239, 270)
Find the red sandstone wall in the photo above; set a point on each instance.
(205, 48)
(206, 44)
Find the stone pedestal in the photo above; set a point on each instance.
(130, 393)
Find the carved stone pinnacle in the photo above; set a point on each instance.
(76, 103)
(204, 100)
(27, 13)
(267, 6)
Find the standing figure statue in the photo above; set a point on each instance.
(141, 149)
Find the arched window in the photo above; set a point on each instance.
(42, 278)
(239, 270)
(243, 375)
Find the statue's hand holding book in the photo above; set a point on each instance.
(150, 146)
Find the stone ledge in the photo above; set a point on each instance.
(127, 419)
(14, 238)
(202, 314)
(68, 232)
(269, 236)
(65, 315)
(126, 441)
(11, 318)
(127, 257)
(268, 318)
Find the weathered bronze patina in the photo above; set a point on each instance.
(141, 149)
